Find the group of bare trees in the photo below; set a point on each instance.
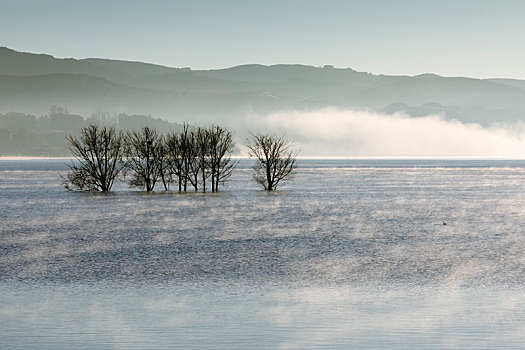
(193, 158)
(197, 157)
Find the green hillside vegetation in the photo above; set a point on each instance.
(28, 135)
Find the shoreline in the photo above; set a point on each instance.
(33, 158)
(317, 158)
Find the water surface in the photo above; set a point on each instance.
(353, 253)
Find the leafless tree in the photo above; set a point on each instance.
(192, 160)
(275, 159)
(144, 154)
(165, 173)
(99, 152)
(174, 157)
(178, 152)
(185, 147)
(200, 154)
(220, 148)
(202, 143)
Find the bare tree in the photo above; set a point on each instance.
(99, 155)
(164, 166)
(179, 152)
(174, 156)
(144, 154)
(220, 148)
(202, 143)
(275, 159)
(185, 147)
(198, 154)
(192, 160)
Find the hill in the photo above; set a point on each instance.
(31, 83)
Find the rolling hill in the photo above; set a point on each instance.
(31, 83)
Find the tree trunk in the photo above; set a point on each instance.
(203, 169)
(269, 177)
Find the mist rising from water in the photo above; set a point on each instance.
(350, 133)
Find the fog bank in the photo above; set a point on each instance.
(333, 132)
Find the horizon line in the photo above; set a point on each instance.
(324, 66)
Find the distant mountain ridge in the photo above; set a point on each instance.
(31, 83)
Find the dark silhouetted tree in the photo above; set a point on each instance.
(185, 147)
(164, 167)
(196, 155)
(202, 144)
(275, 160)
(220, 147)
(145, 152)
(99, 152)
(179, 152)
(192, 160)
(174, 157)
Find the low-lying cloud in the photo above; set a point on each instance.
(348, 133)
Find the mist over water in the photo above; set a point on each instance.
(351, 254)
(344, 133)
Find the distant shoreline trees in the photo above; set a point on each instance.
(190, 158)
(29, 135)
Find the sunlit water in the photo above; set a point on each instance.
(352, 254)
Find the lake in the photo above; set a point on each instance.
(352, 254)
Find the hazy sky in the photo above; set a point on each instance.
(449, 37)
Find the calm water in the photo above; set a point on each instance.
(352, 254)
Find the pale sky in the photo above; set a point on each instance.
(476, 38)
